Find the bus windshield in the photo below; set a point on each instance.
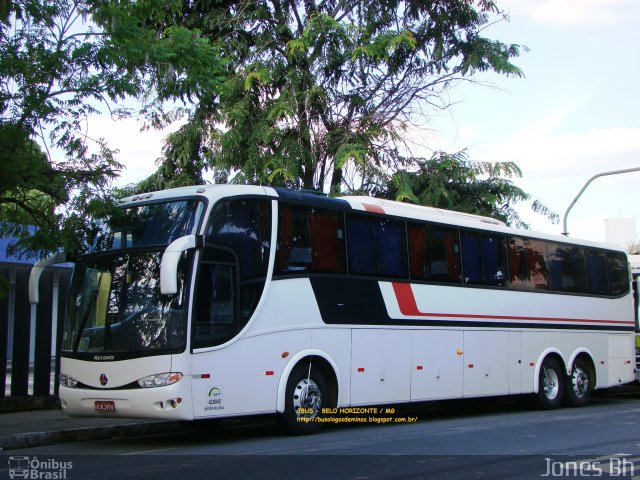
(149, 225)
(115, 305)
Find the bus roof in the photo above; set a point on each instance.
(390, 206)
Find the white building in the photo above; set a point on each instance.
(621, 231)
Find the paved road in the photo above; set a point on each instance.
(462, 439)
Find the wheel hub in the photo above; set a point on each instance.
(579, 382)
(307, 399)
(551, 384)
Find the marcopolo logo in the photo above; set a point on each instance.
(36, 469)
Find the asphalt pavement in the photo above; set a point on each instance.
(35, 428)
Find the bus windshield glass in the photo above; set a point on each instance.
(116, 307)
(149, 225)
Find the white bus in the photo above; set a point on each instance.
(634, 264)
(221, 301)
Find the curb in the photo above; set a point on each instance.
(37, 439)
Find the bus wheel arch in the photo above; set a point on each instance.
(310, 387)
(581, 380)
(318, 359)
(550, 380)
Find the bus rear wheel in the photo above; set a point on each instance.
(305, 396)
(579, 384)
(550, 384)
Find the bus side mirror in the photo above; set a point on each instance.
(170, 259)
(36, 272)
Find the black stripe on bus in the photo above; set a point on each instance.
(359, 302)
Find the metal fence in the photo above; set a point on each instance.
(30, 336)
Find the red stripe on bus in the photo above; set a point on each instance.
(409, 308)
(373, 208)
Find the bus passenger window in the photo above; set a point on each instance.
(618, 273)
(566, 269)
(327, 241)
(392, 258)
(471, 258)
(434, 253)
(527, 264)
(294, 248)
(483, 259)
(309, 240)
(596, 261)
(376, 246)
(361, 246)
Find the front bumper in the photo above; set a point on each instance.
(172, 402)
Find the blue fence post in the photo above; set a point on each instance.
(21, 336)
(44, 319)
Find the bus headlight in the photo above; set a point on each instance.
(160, 380)
(68, 381)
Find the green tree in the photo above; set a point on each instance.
(317, 93)
(56, 69)
(453, 182)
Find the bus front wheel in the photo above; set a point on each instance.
(550, 384)
(304, 396)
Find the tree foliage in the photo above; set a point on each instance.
(453, 182)
(56, 69)
(633, 248)
(319, 92)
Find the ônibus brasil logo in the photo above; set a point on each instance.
(36, 469)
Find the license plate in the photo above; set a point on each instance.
(105, 406)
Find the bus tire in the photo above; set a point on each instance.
(579, 384)
(305, 396)
(550, 384)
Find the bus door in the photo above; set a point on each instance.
(215, 320)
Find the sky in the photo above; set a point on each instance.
(573, 115)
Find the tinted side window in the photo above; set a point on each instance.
(215, 307)
(618, 273)
(527, 263)
(361, 245)
(434, 253)
(567, 269)
(596, 261)
(245, 227)
(483, 259)
(376, 246)
(310, 240)
(392, 250)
